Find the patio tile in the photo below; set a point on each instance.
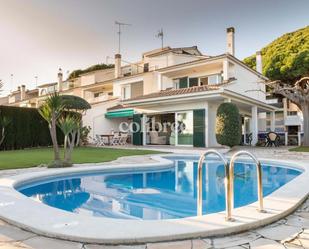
(11, 233)
(14, 245)
(186, 244)
(47, 243)
(293, 244)
(200, 244)
(304, 238)
(298, 221)
(280, 233)
(304, 215)
(235, 240)
(265, 244)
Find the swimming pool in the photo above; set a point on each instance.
(156, 194)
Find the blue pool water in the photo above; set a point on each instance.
(156, 194)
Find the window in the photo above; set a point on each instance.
(146, 67)
(214, 79)
(125, 92)
(181, 83)
(292, 113)
(204, 81)
(96, 95)
(193, 82)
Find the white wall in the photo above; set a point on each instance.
(95, 118)
(247, 84)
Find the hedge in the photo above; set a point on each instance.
(27, 129)
(228, 125)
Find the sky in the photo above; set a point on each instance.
(39, 36)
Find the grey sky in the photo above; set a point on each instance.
(39, 36)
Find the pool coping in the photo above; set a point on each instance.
(36, 217)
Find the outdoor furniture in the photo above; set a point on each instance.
(123, 138)
(272, 138)
(99, 141)
(108, 137)
(156, 139)
(115, 139)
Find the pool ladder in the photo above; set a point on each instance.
(228, 181)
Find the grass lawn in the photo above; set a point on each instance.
(34, 157)
(300, 149)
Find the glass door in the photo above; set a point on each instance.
(184, 131)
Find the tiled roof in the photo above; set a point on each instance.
(116, 107)
(173, 92)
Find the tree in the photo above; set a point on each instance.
(78, 72)
(286, 64)
(286, 58)
(297, 93)
(228, 125)
(69, 125)
(51, 111)
(64, 111)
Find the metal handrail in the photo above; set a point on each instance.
(259, 180)
(226, 183)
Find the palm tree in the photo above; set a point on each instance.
(69, 125)
(51, 111)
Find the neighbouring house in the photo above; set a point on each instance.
(175, 85)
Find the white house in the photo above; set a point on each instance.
(180, 85)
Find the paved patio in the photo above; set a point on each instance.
(291, 232)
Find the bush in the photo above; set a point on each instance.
(27, 129)
(228, 125)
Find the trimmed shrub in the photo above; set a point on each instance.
(228, 125)
(27, 129)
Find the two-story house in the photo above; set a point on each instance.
(182, 86)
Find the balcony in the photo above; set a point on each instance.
(293, 120)
(103, 97)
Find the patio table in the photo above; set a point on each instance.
(108, 136)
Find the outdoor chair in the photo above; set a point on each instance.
(99, 141)
(115, 139)
(123, 139)
(249, 139)
(272, 138)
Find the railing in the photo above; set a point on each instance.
(259, 179)
(200, 182)
(228, 181)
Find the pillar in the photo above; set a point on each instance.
(254, 124)
(144, 129)
(272, 121)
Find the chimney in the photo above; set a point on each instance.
(60, 80)
(230, 46)
(259, 65)
(117, 65)
(22, 92)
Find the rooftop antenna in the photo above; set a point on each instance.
(119, 32)
(12, 84)
(36, 81)
(160, 35)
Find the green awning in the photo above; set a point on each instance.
(120, 114)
